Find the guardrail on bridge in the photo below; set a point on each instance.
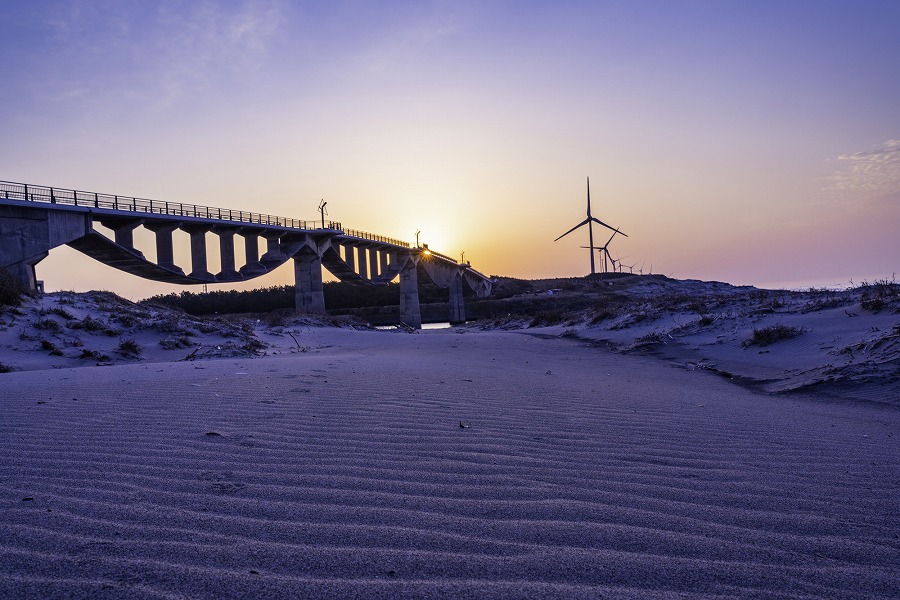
(52, 195)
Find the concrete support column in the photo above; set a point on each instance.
(123, 229)
(361, 254)
(165, 256)
(457, 307)
(373, 263)
(198, 251)
(350, 257)
(309, 294)
(226, 252)
(252, 266)
(383, 261)
(409, 295)
(273, 248)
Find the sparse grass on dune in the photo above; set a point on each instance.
(880, 295)
(771, 334)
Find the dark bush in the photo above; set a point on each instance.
(771, 334)
(48, 324)
(61, 312)
(89, 324)
(11, 289)
(93, 355)
(129, 348)
(51, 347)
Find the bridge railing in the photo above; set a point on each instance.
(438, 254)
(39, 193)
(374, 237)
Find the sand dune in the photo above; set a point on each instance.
(442, 464)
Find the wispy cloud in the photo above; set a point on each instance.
(157, 54)
(871, 175)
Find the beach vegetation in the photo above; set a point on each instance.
(48, 324)
(89, 323)
(93, 355)
(551, 316)
(278, 317)
(126, 320)
(173, 343)
(879, 295)
(61, 312)
(51, 348)
(253, 345)
(650, 339)
(129, 348)
(706, 320)
(771, 334)
(5, 368)
(825, 301)
(11, 289)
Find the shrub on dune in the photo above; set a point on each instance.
(771, 334)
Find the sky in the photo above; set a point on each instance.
(747, 142)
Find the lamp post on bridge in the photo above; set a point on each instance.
(322, 211)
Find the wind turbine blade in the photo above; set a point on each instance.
(611, 238)
(596, 220)
(589, 197)
(585, 222)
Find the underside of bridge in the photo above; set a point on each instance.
(28, 231)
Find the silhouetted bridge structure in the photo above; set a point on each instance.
(35, 219)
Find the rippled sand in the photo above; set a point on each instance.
(441, 464)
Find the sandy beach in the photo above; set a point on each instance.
(450, 464)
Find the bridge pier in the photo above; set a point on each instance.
(309, 292)
(198, 251)
(383, 262)
(27, 235)
(361, 254)
(373, 262)
(252, 267)
(457, 304)
(226, 251)
(350, 257)
(273, 248)
(409, 294)
(165, 255)
(123, 229)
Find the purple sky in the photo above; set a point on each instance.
(749, 142)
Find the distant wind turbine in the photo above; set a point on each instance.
(589, 221)
(604, 251)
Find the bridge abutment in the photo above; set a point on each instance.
(28, 234)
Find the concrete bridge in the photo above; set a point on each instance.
(35, 219)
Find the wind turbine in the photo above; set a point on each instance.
(604, 251)
(589, 221)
